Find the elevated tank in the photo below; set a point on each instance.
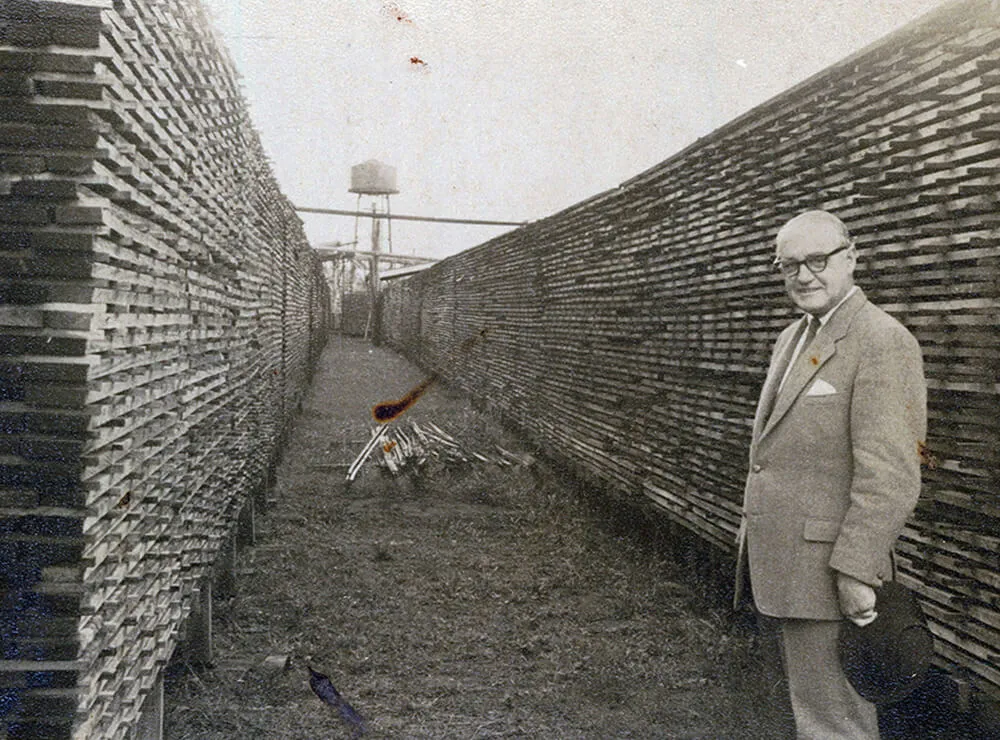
(373, 178)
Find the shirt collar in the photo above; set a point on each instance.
(826, 317)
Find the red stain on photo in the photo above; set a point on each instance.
(386, 411)
(418, 61)
(927, 458)
(392, 10)
(389, 410)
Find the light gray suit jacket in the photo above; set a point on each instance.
(835, 467)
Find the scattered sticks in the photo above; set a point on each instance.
(359, 461)
(411, 448)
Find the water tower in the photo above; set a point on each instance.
(376, 181)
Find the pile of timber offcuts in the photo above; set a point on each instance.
(411, 448)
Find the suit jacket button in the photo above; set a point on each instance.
(757, 468)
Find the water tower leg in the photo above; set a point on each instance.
(357, 218)
(388, 224)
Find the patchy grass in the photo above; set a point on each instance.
(477, 601)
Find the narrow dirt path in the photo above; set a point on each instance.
(472, 601)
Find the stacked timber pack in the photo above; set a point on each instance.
(160, 313)
(629, 335)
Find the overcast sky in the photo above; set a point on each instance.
(513, 110)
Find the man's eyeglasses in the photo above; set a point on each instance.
(815, 263)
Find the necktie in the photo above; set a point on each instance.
(782, 371)
(812, 326)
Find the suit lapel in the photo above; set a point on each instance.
(773, 380)
(808, 363)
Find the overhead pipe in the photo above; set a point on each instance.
(397, 217)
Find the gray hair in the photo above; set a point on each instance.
(817, 217)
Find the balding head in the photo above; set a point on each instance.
(815, 222)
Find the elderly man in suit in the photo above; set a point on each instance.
(834, 470)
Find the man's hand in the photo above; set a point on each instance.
(857, 600)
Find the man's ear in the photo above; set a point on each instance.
(852, 254)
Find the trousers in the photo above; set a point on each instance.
(825, 705)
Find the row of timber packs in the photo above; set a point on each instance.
(160, 310)
(630, 334)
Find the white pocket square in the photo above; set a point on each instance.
(821, 388)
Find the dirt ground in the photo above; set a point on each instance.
(471, 600)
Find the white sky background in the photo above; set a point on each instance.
(520, 108)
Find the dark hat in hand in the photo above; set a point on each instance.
(888, 658)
